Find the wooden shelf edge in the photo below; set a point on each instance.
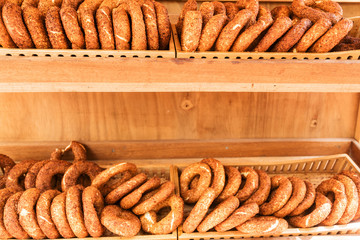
(26, 74)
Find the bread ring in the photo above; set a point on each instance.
(115, 182)
(352, 199)
(207, 12)
(6, 164)
(152, 34)
(134, 197)
(356, 179)
(191, 31)
(27, 215)
(238, 217)
(190, 5)
(120, 222)
(5, 39)
(78, 150)
(165, 190)
(233, 183)
(43, 214)
(170, 222)
(45, 5)
(262, 193)
(30, 178)
(292, 36)
(263, 225)
(281, 11)
(73, 173)
(125, 188)
(55, 29)
(218, 170)
(251, 183)
(138, 41)
(339, 205)
(48, 171)
(93, 204)
(11, 217)
(192, 195)
(105, 28)
(36, 26)
(279, 198)
(307, 202)
(74, 211)
(164, 27)
(4, 195)
(71, 3)
(231, 10)
(15, 26)
(14, 178)
(332, 8)
(276, 31)
(297, 196)
(230, 32)
(122, 29)
(219, 8)
(102, 178)
(332, 37)
(211, 32)
(221, 212)
(69, 19)
(317, 215)
(58, 215)
(314, 33)
(199, 211)
(87, 20)
(247, 37)
(252, 6)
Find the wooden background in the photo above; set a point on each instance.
(160, 116)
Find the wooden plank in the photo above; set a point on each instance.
(173, 116)
(127, 150)
(28, 74)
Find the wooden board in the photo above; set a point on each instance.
(166, 116)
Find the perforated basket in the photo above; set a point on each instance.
(348, 55)
(314, 170)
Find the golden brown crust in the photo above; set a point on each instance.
(74, 211)
(220, 213)
(115, 182)
(93, 204)
(105, 28)
(55, 29)
(332, 37)
(246, 38)
(138, 32)
(6, 164)
(122, 29)
(30, 178)
(230, 32)
(315, 216)
(58, 215)
(232, 185)
(16, 173)
(262, 193)
(170, 222)
(252, 6)
(11, 217)
(43, 214)
(191, 31)
(219, 8)
(163, 23)
(308, 200)
(339, 205)
(263, 225)
(165, 190)
(281, 11)
(218, 180)
(251, 183)
(69, 19)
(190, 5)
(238, 217)
(279, 197)
(199, 211)
(27, 215)
(4, 196)
(45, 5)
(191, 171)
(152, 34)
(356, 179)
(207, 12)
(48, 171)
(5, 39)
(231, 10)
(121, 222)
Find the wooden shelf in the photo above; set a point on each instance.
(54, 74)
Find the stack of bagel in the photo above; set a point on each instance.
(224, 197)
(305, 26)
(55, 198)
(84, 24)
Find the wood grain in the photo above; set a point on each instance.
(172, 116)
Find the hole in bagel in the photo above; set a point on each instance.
(84, 180)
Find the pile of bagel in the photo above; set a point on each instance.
(305, 26)
(84, 24)
(55, 198)
(224, 198)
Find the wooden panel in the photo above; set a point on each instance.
(163, 151)
(152, 116)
